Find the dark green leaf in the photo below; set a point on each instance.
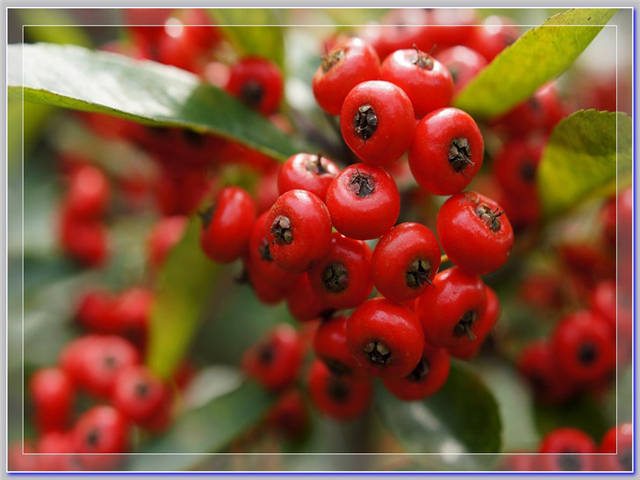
(77, 78)
(580, 159)
(182, 292)
(583, 413)
(210, 428)
(540, 55)
(462, 417)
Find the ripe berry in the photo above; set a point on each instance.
(163, 237)
(474, 232)
(268, 293)
(94, 311)
(298, 229)
(363, 201)
(405, 261)
(603, 301)
(101, 429)
(584, 347)
(303, 303)
(290, 415)
(330, 346)
(342, 279)
(60, 443)
(537, 363)
(17, 461)
(423, 78)
(257, 83)
(52, 394)
(567, 442)
(349, 63)
(131, 311)
(617, 439)
(203, 37)
(450, 309)
(138, 394)
(485, 324)
(447, 151)
(398, 29)
(515, 167)
(305, 171)
(427, 377)
(177, 49)
(377, 122)
(495, 35)
(88, 193)
(276, 360)
(342, 398)
(227, 225)
(463, 64)
(449, 26)
(84, 240)
(385, 338)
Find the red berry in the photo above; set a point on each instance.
(101, 429)
(52, 394)
(485, 324)
(463, 64)
(572, 444)
(584, 347)
(515, 167)
(474, 232)
(447, 151)
(349, 63)
(603, 301)
(377, 122)
(227, 225)
(276, 360)
(163, 237)
(451, 308)
(84, 240)
(385, 338)
(88, 193)
(267, 292)
(342, 398)
(60, 443)
(17, 461)
(298, 229)
(305, 171)
(451, 26)
(257, 83)
(94, 311)
(618, 440)
(523, 210)
(330, 346)
(137, 19)
(543, 291)
(131, 311)
(537, 363)
(138, 393)
(363, 201)
(303, 303)
(405, 261)
(423, 78)
(177, 49)
(290, 414)
(342, 279)
(205, 36)
(495, 35)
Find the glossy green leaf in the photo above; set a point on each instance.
(253, 31)
(182, 292)
(580, 159)
(210, 428)
(74, 77)
(462, 417)
(538, 56)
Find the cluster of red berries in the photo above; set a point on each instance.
(572, 450)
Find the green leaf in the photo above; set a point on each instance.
(461, 417)
(583, 413)
(538, 56)
(209, 428)
(55, 26)
(253, 31)
(580, 160)
(144, 91)
(181, 294)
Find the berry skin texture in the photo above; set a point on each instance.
(330, 346)
(85, 241)
(342, 398)
(405, 261)
(131, 310)
(298, 229)
(584, 347)
(447, 151)
(364, 202)
(306, 171)
(450, 309)
(567, 441)
(623, 434)
(101, 429)
(163, 237)
(52, 394)
(342, 279)
(257, 83)
(538, 365)
(428, 376)
(349, 63)
(275, 361)
(385, 338)
(463, 64)
(474, 232)
(377, 122)
(515, 167)
(94, 311)
(290, 415)
(88, 193)
(138, 394)
(303, 303)
(423, 78)
(227, 225)
(60, 443)
(495, 35)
